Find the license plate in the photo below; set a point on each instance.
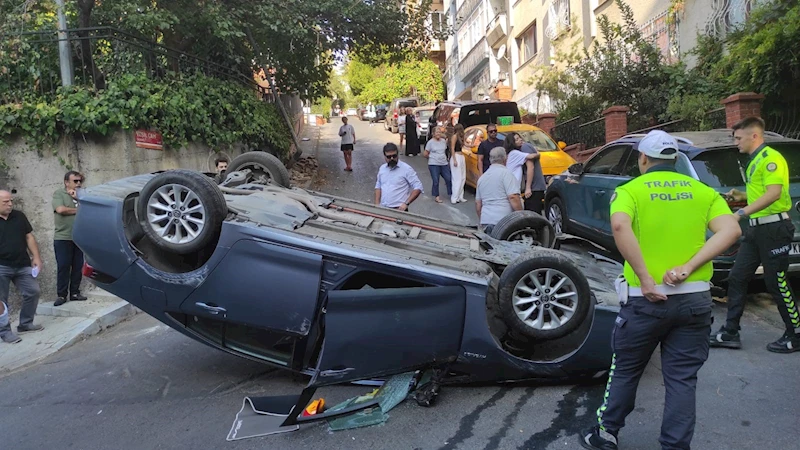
(795, 248)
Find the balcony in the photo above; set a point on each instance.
(497, 29)
(475, 59)
(465, 10)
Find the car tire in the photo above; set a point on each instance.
(544, 316)
(557, 215)
(268, 165)
(525, 226)
(169, 191)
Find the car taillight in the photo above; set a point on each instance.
(88, 271)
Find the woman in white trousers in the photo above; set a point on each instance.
(458, 165)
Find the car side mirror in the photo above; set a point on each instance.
(562, 145)
(575, 169)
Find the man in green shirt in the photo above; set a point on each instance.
(767, 241)
(69, 258)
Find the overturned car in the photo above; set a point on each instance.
(342, 290)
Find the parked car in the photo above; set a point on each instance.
(352, 112)
(553, 158)
(470, 113)
(343, 290)
(380, 112)
(396, 109)
(424, 114)
(577, 201)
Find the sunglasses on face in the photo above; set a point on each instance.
(391, 156)
(77, 181)
(492, 131)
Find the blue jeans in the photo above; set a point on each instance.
(444, 172)
(28, 288)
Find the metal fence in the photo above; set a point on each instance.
(29, 62)
(783, 118)
(593, 133)
(567, 131)
(717, 118)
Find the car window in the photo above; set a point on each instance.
(632, 165)
(607, 161)
(725, 167)
(473, 138)
(540, 140)
(425, 114)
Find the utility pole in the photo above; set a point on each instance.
(64, 55)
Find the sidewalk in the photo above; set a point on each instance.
(63, 326)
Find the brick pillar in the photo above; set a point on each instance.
(741, 105)
(616, 122)
(547, 121)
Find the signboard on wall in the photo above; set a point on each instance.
(149, 139)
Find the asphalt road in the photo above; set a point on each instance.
(142, 385)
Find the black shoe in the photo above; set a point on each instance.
(77, 297)
(29, 328)
(786, 344)
(60, 301)
(725, 338)
(596, 439)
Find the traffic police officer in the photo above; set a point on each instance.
(659, 220)
(767, 241)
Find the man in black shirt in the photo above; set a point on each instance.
(16, 240)
(486, 147)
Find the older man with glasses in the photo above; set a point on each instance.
(398, 184)
(69, 258)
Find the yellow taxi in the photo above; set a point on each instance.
(553, 158)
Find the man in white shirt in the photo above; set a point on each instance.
(348, 134)
(398, 184)
(497, 194)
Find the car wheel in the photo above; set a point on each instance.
(557, 215)
(543, 297)
(525, 226)
(181, 211)
(264, 168)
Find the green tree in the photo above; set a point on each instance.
(413, 77)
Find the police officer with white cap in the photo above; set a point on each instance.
(659, 221)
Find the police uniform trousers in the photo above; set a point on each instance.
(766, 245)
(681, 324)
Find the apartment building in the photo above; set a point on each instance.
(500, 46)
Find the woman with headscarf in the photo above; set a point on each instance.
(412, 138)
(458, 165)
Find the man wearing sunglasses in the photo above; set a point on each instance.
(486, 146)
(398, 184)
(69, 258)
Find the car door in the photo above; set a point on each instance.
(259, 301)
(589, 197)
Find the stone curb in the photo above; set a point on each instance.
(315, 154)
(98, 321)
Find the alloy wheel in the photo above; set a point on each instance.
(545, 299)
(176, 213)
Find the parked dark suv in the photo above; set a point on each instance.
(577, 201)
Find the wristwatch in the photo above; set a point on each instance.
(741, 212)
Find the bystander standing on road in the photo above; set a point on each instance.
(438, 165)
(516, 160)
(497, 193)
(767, 241)
(535, 202)
(69, 258)
(458, 165)
(659, 221)
(397, 185)
(401, 125)
(412, 138)
(486, 146)
(19, 266)
(348, 135)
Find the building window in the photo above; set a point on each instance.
(558, 18)
(663, 34)
(437, 21)
(526, 44)
(727, 16)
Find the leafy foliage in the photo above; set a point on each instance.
(299, 39)
(196, 108)
(411, 77)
